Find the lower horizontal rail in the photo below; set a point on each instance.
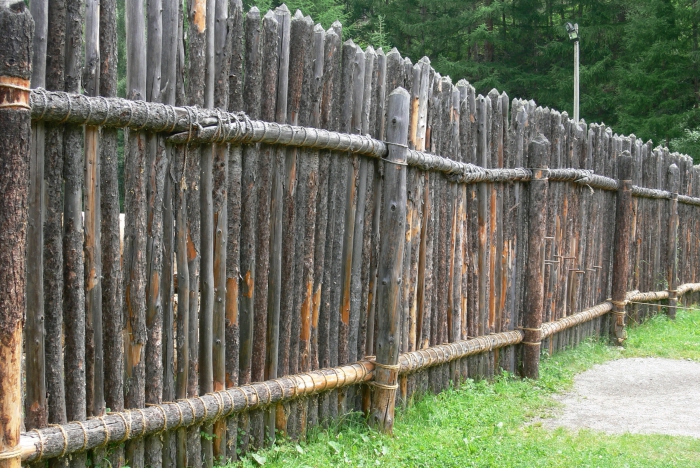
(60, 440)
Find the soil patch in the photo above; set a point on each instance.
(637, 395)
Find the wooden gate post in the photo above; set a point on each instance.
(393, 217)
(672, 267)
(16, 35)
(621, 245)
(538, 153)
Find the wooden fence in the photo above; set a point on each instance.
(311, 229)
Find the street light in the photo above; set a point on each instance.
(572, 30)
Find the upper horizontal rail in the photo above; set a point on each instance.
(197, 125)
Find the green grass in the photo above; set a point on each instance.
(495, 424)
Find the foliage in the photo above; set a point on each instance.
(689, 143)
(495, 424)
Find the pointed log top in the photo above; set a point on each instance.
(624, 166)
(380, 51)
(370, 50)
(283, 9)
(298, 15)
(253, 12)
(425, 60)
(399, 90)
(337, 26)
(349, 43)
(394, 51)
(270, 16)
(318, 28)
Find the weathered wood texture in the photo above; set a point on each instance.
(276, 221)
(16, 31)
(391, 253)
(538, 155)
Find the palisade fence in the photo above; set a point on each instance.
(310, 229)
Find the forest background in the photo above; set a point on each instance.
(639, 58)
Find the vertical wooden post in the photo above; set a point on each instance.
(538, 153)
(621, 245)
(672, 258)
(390, 262)
(16, 33)
(135, 208)
(93, 249)
(35, 408)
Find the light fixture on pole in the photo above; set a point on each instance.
(572, 30)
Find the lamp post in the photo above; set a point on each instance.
(572, 29)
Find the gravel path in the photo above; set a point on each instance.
(638, 395)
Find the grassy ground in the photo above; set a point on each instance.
(490, 424)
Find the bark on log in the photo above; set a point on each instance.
(53, 224)
(135, 207)
(35, 408)
(621, 245)
(538, 154)
(16, 34)
(233, 216)
(673, 177)
(390, 262)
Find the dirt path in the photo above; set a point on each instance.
(638, 395)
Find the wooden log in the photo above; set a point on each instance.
(430, 319)
(483, 269)
(415, 195)
(673, 186)
(352, 237)
(233, 216)
(322, 283)
(93, 260)
(277, 213)
(168, 85)
(380, 124)
(135, 205)
(270, 50)
(16, 35)
(112, 318)
(53, 226)
(73, 234)
(369, 126)
(455, 247)
(297, 300)
(405, 291)
(314, 246)
(35, 408)
(249, 197)
(362, 221)
(156, 167)
(338, 207)
(538, 155)
(391, 259)
(131, 424)
(621, 245)
(198, 18)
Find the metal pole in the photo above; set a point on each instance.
(576, 80)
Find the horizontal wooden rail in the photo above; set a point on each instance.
(197, 125)
(75, 437)
(583, 177)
